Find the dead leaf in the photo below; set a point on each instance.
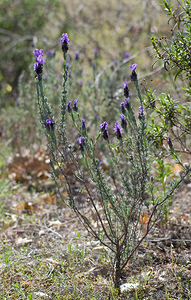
(144, 218)
(23, 241)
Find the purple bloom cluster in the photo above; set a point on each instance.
(75, 107)
(49, 124)
(38, 65)
(123, 107)
(133, 74)
(77, 55)
(65, 40)
(95, 53)
(123, 122)
(103, 126)
(170, 143)
(83, 124)
(127, 104)
(127, 54)
(126, 89)
(81, 141)
(117, 129)
(140, 112)
(69, 106)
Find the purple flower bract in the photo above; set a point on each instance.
(126, 90)
(133, 67)
(117, 129)
(65, 40)
(75, 107)
(49, 124)
(103, 126)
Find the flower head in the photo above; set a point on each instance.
(127, 104)
(127, 54)
(69, 106)
(123, 122)
(95, 53)
(49, 124)
(75, 107)
(117, 129)
(133, 67)
(65, 40)
(170, 143)
(133, 74)
(83, 124)
(40, 60)
(140, 112)
(77, 55)
(93, 65)
(123, 107)
(126, 90)
(103, 126)
(81, 141)
(38, 52)
(38, 65)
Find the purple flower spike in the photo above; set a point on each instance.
(83, 124)
(81, 141)
(75, 107)
(123, 107)
(123, 122)
(127, 54)
(133, 74)
(38, 52)
(103, 126)
(105, 135)
(69, 106)
(65, 40)
(127, 104)
(49, 124)
(93, 65)
(38, 65)
(140, 112)
(133, 67)
(77, 55)
(118, 131)
(124, 84)
(95, 53)
(126, 90)
(170, 143)
(40, 60)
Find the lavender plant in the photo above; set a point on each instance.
(109, 201)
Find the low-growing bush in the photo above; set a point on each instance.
(114, 178)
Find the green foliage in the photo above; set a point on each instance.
(168, 118)
(175, 52)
